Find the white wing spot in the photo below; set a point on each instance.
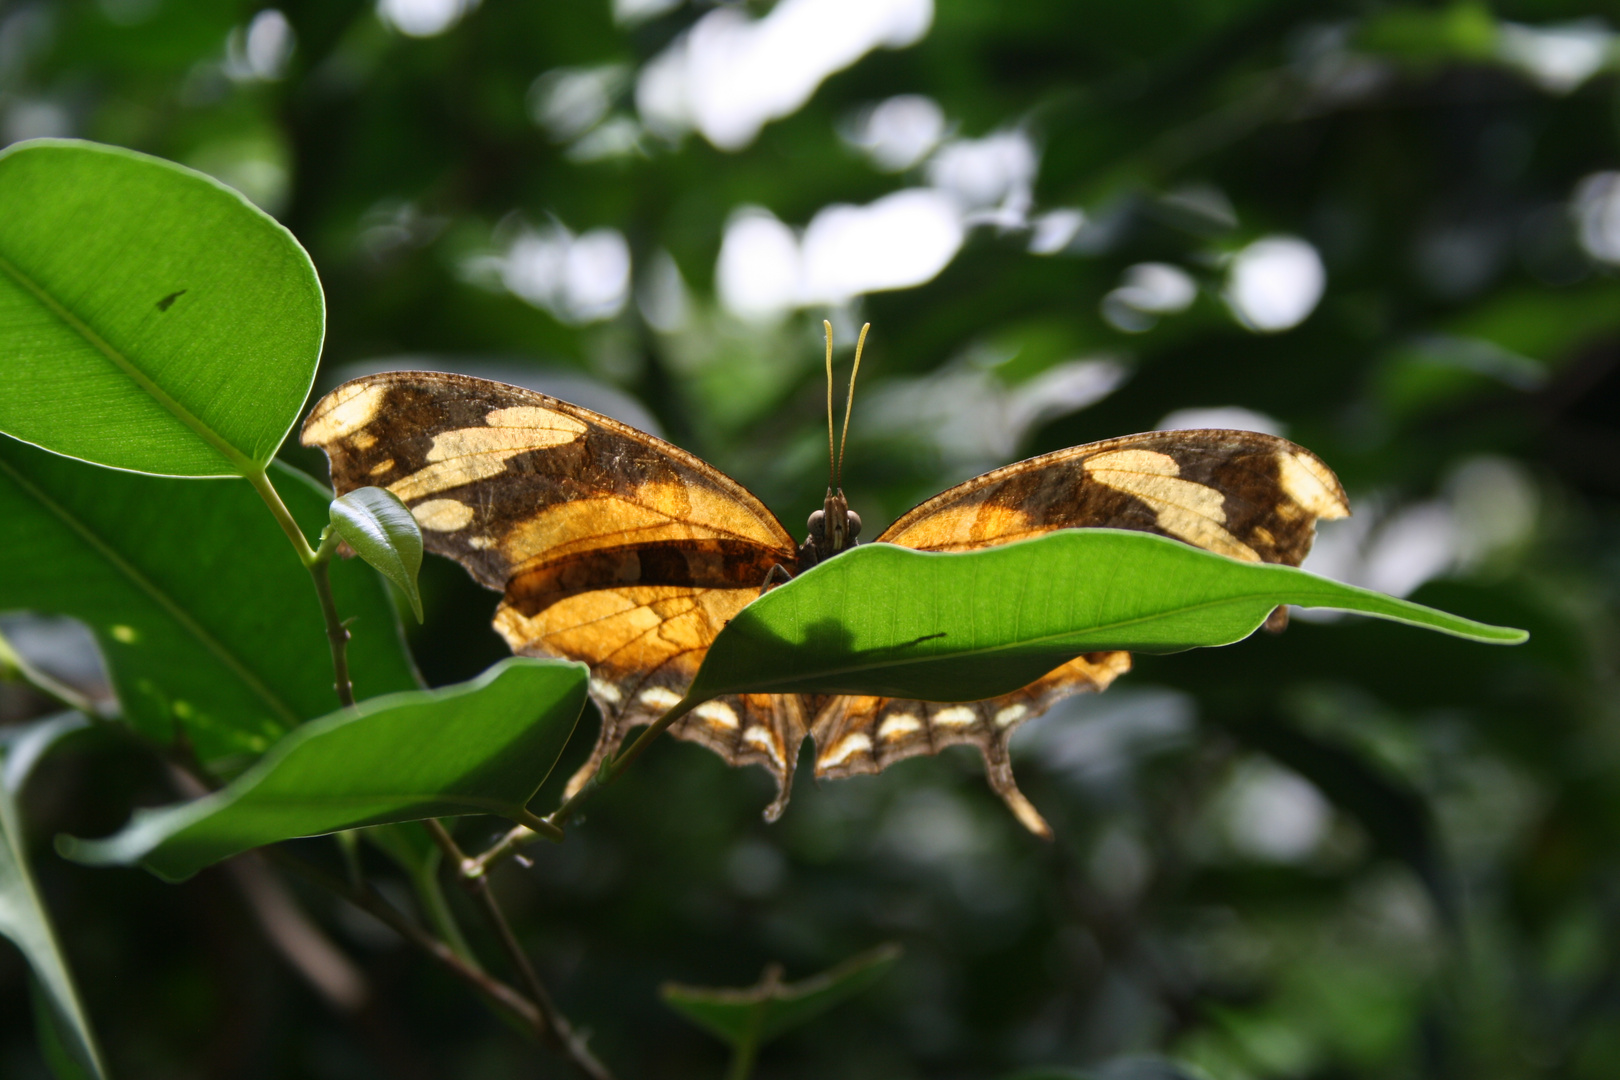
(898, 726)
(1011, 715)
(344, 415)
(467, 455)
(479, 543)
(1184, 509)
(761, 739)
(956, 716)
(442, 515)
(380, 468)
(1308, 482)
(659, 697)
(602, 688)
(717, 713)
(854, 743)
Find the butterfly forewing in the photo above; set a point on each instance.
(611, 546)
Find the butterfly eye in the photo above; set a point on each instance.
(854, 525)
(816, 519)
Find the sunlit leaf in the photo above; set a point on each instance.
(210, 625)
(22, 913)
(481, 747)
(961, 627)
(376, 524)
(150, 317)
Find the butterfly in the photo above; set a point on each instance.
(618, 549)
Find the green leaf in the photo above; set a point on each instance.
(481, 747)
(22, 913)
(150, 317)
(376, 524)
(894, 622)
(209, 623)
(755, 1016)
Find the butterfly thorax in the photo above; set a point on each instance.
(833, 529)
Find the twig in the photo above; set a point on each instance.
(552, 1027)
(300, 942)
(336, 632)
(367, 900)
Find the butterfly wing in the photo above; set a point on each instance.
(1240, 493)
(611, 546)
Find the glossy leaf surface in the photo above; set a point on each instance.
(886, 620)
(483, 746)
(150, 317)
(208, 622)
(376, 524)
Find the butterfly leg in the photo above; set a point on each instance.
(776, 575)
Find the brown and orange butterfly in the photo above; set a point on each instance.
(620, 550)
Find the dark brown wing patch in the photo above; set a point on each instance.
(1240, 493)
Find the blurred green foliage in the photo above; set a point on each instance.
(1345, 851)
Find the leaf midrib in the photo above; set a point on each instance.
(170, 606)
(240, 461)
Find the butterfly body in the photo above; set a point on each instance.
(616, 548)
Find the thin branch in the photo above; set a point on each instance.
(336, 633)
(367, 900)
(553, 1028)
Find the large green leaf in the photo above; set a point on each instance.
(208, 621)
(482, 746)
(891, 621)
(150, 317)
(22, 914)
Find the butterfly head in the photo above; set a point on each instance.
(834, 527)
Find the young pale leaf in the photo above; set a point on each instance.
(150, 317)
(758, 1014)
(376, 524)
(481, 747)
(894, 622)
(210, 625)
(22, 914)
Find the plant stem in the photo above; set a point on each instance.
(316, 561)
(278, 509)
(552, 1027)
(367, 900)
(744, 1053)
(336, 633)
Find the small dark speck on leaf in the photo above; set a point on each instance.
(925, 637)
(168, 301)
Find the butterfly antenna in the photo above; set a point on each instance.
(831, 460)
(849, 403)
